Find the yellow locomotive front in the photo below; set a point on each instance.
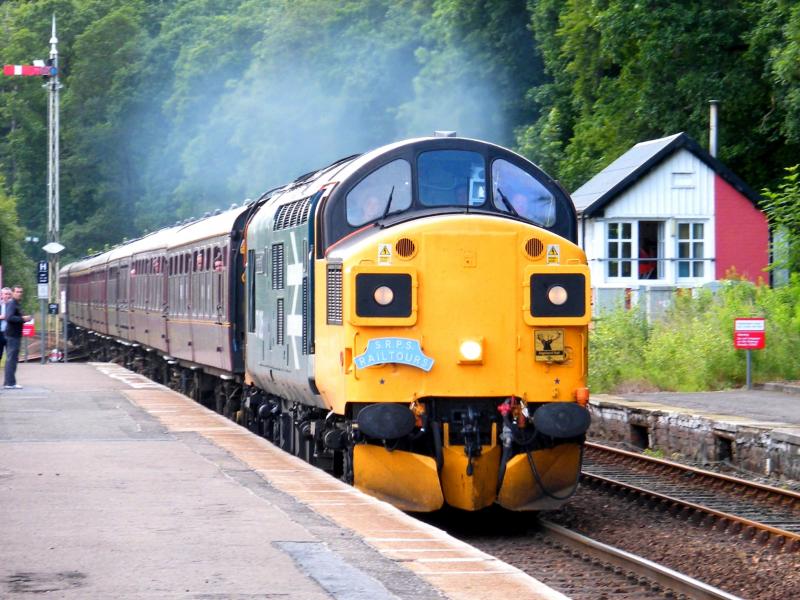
(451, 330)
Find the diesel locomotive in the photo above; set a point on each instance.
(413, 319)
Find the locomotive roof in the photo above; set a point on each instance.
(443, 142)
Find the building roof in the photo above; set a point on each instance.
(636, 163)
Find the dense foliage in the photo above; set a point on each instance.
(782, 206)
(18, 269)
(176, 107)
(691, 347)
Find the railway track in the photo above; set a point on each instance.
(639, 576)
(578, 566)
(766, 513)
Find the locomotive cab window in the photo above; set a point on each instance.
(517, 192)
(384, 191)
(451, 178)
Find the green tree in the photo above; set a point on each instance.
(25, 28)
(100, 166)
(628, 70)
(476, 61)
(323, 81)
(18, 269)
(782, 207)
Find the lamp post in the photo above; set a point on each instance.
(53, 249)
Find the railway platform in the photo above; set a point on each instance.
(112, 486)
(757, 431)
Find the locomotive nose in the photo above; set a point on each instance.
(472, 298)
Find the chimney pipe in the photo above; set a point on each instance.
(712, 129)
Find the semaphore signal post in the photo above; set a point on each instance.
(53, 247)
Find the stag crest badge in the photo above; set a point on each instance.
(548, 345)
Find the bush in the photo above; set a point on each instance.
(691, 347)
(615, 345)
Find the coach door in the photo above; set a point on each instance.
(124, 299)
(112, 295)
(219, 305)
(178, 329)
(203, 339)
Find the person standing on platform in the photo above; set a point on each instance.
(14, 320)
(5, 297)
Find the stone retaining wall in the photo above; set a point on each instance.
(769, 449)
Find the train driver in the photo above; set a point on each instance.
(372, 207)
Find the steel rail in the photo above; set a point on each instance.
(708, 474)
(788, 536)
(664, 576)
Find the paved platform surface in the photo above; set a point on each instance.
(114, 487)
(757, 404)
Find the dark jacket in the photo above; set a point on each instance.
(14, 319)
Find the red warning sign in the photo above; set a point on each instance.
(749, 334)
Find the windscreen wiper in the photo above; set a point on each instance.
(507, 203)
(388, 204)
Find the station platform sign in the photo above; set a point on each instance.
(749, 333)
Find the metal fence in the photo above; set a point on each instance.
(653, 300)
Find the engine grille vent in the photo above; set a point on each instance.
(334, 294)
(292, 214)
(280, 325)
(278, 267)
(305, 316)
(405, 248)
(534, 247)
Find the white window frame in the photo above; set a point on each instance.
(691, 242)
(619, 241)
(683, 180)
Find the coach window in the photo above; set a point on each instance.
(517, 192)
(451, 178)
(384, 191)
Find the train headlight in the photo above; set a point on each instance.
(383, 295)
(557, 295)
(470, 351)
